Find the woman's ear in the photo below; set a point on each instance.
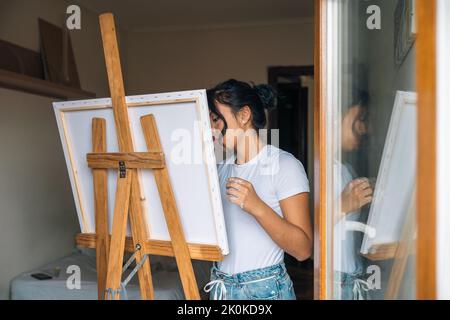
(245, 116)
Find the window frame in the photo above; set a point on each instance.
(426, 184)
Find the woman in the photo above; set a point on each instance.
(265, 199)
(350, 277)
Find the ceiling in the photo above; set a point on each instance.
(178, 14)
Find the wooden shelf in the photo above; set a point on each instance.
(16, 81)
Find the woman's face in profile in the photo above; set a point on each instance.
(218, 126)
(354, 128)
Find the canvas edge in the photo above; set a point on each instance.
(82, 219)
(211, 170)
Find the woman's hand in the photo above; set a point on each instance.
(356, 195)
(242, 193)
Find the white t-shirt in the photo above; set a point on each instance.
(275, 175)
(346, 258)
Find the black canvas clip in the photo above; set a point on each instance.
(122, 170)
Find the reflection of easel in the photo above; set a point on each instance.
(110, 251)
(404, 250)
(399, 251)
(381, 252)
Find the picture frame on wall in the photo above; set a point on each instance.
(405, 29)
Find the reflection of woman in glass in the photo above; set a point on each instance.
(353, 194)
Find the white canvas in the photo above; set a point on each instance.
(396, 177)
(179, 116)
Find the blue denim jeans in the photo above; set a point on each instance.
(350, 286)
(271, 283)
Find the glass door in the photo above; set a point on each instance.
(367, 116)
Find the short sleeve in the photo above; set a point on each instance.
(289, 176)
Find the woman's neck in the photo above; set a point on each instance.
(248, 148)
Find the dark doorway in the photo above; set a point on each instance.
(293, 120)
(291, 115)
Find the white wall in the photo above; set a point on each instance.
(38, 220)
(189, 59)
(37, 215)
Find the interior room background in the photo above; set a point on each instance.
(38, 219)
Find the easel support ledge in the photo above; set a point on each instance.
(158, 247)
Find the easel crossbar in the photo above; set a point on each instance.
(132, 160)
(158, 247)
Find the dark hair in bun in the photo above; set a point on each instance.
(267, 95)
(237, 94)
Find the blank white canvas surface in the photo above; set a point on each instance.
(396, 177)
(191, 165)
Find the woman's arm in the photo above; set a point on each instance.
(293, 233)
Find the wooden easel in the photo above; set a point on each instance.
(110, 249)
(398, 251)
(404, 251)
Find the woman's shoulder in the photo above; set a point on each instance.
(288, 174)
(282, 158)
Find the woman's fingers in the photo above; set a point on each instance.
(361, 194)
(367, 200)
(237, 186)
(363, 185)
(234, 185)
(239, 180)
(367, 192)
(234, 192)
(365, 196)
(235, 199)
(358, 181)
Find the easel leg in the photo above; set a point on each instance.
(168, 202)
(138, 230)
(117, 245)
(101, 205)
(404, 250)
(125, 140)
